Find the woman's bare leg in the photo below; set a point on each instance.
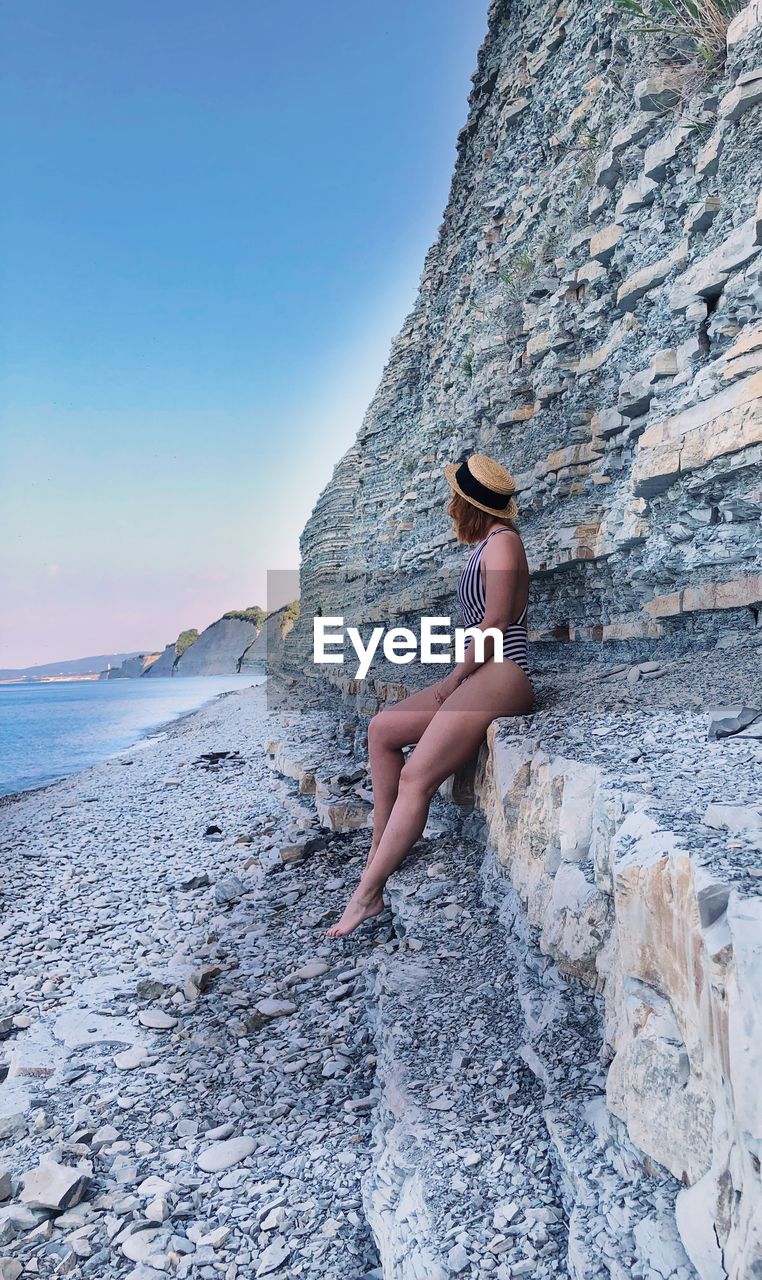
(392, 729)
(452, 737)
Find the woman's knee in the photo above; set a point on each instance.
(378, 732)
(417, 779)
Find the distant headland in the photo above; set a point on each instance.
(234, 643)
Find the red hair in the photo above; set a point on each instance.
(471, 524)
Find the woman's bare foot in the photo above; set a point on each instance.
(356, 911)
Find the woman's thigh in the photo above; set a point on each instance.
(402, 724)
(460, 724)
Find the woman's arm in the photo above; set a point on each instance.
(500, 564)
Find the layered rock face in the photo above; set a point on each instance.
(590, 316)
(639, 885)
(218, 650)
(132, 668)
(268, 647)
(164, 664)
(224, 648)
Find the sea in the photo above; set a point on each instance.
(50, 729)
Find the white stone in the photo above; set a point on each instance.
(314, 969)
(154, 1186)
(158, 1210)
(694, 1214)
(224, 1155)
(457, 1259)
(744, 23)
(273, 1257)
(156, 1019)
(271, 1008)
(139, 1246)
(746, 94)
(103, 1137)
(53, 1186)
(657, 92)
(741, 819)
(130, 1059)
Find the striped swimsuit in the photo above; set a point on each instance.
(471, 596)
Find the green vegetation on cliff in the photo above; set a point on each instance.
(252, 614)
(185, 640)
(290, 615)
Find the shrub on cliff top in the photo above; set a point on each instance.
(252, 614)
(701, 25)
(185, 640)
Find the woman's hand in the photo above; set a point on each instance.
(445, 687)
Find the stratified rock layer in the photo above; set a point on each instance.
(218, 650)
(590, 315)
(132, 668)
(625, 837)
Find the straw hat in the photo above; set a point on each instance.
(485, 484)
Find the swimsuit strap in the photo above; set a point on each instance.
(504, 529)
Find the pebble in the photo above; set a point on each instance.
(315, 969)
(156, 1019)
(273, 1258)
(229, 890)
(270, 1008)
(139, 1246)
(154, 1186)
(103, 1137)
(226, 1154)
(131, 1059)
(457, 1259)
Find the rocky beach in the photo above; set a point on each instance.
(543, 1058)
(589, 316)
(197, 1083)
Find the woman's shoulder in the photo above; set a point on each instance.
(503, 528)
(497, 548)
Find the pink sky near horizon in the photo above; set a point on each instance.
(214, 221)
(87, 583)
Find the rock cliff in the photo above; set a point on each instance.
(132, 668)
(590, 315)
(218, 650)
(224, 648)
(166, 663)
(268, 647)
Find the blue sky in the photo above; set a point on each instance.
(213, 222)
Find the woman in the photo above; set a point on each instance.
(449, 719)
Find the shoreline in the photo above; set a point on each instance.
(162, 729)
(164, 1005)
(180, 994)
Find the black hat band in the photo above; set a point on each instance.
(473, 488)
